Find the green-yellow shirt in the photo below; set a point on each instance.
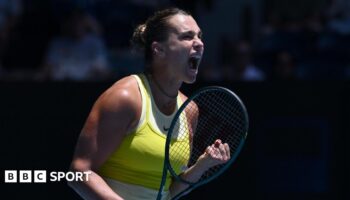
(140, 157)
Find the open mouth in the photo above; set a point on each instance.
(194, 63)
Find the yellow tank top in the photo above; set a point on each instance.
(140, 157)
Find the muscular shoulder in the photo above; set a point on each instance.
(110, 119)
(121, 99)
(124, 89)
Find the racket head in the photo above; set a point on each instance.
(210, 113)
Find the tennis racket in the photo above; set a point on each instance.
(211, 113)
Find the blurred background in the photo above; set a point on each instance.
(289, 60)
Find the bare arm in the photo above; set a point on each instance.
(112, 117)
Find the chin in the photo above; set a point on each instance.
(191, 80)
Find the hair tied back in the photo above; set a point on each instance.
(138, 38)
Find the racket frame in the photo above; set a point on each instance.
(167, 165)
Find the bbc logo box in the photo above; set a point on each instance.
(25, 176)
(10, 176)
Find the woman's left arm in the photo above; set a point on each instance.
(217, 153)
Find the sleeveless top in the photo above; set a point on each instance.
(139, 159)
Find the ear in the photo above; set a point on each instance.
(157, 48)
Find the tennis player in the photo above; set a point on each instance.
(122, 142)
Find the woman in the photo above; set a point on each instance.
(122, 141)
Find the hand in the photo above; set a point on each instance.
(217, 153)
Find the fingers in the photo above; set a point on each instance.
(227, 149)
(220, 151)
(217, 143)
(209, 149)
(224, 151)
(213, 151)
(215, 154)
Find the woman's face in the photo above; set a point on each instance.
(183, 49)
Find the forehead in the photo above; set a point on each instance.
(183, 23)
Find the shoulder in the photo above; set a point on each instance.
(112, 117)
(125, 87)
(192, 113)
(191, 104)
(183, 96)
(123, 97)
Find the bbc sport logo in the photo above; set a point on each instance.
(42, 176)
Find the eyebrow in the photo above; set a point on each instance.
(200, 33)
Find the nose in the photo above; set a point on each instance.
(198, 45)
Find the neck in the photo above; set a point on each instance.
(163, 85)
(164, 91)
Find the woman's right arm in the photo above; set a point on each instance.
(113, 115)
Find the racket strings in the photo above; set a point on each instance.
(225, 124)
(210, 116)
